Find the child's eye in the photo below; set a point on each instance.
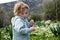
(26, 13)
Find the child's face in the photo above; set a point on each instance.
(25, 15)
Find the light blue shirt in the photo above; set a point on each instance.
(21, 28)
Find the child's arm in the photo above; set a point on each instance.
(19, 27)
(31, 23)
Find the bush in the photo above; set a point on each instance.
(43, 31)
(51, 10)
(35, 17)
(6, 33)
(5, 18)
(55, 28)
(1, 18)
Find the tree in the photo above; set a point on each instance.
(51, 10)
(1, 19)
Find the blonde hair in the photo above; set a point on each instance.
(20, 7)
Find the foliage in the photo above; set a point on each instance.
(55, 28)
(51, 10)
(43, 31)
(1, 19)
(46, 31)
(39, 23)
(5, 33)
(35, 17)
(5, 18)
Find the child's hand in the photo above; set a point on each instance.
(32, 21)
(32, 28)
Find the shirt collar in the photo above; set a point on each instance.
(21, 17)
